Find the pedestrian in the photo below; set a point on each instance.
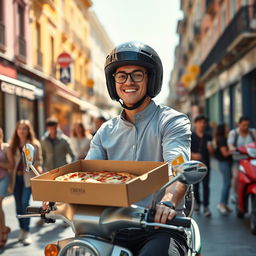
(237, 137)
(80, 140)
(20, 179)
(55, 146)
(144, 131)
(201, 148)
(224, 158)
(98, 121)
(6, 162)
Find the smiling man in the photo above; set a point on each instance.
(144, 131)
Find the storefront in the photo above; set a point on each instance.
(17, 102)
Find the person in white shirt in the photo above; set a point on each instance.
(236, 138)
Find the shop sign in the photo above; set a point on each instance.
(16, 90)
(65, 75)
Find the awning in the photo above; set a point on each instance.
(19, 88)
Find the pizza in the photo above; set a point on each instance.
(97, 177)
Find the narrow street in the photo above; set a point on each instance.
(221, 235)
(224, 235)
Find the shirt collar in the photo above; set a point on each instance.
(145, 113)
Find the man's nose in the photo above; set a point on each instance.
(129, 79)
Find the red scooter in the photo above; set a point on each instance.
(246, 183)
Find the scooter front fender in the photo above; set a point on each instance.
(251, 189)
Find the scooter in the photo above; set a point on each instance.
(246, 183)
(95, 226)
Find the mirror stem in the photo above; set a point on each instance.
(158, 194)
(34, 170)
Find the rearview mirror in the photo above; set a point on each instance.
(190, 172)
(28, 153)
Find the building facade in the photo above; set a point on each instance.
(45, 58)
(224, 88)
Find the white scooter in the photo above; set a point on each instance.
(95, 226)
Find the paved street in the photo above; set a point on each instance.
(224, 235)
(221, 235)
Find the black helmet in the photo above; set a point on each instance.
(134, 53)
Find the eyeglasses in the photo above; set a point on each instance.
(136, 76)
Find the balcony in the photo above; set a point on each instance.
(22, 47)
(238, 37)
(2, 36)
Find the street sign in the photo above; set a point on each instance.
(64, 60)
(65, 75)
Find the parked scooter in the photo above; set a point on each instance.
(94, 226)
(246, 183)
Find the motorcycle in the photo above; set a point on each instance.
(246, 183)
(95, 226)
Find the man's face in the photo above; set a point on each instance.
(52, 131)
(244, 126)
(131, 92)
(200, 125)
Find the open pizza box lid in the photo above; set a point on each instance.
(151, 176)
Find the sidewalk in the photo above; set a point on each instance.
(41, 235)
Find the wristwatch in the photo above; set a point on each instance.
(168, 204)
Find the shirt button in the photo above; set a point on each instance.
(133, 146)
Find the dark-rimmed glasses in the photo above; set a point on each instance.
(136, 76)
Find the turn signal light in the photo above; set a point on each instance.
(51, 250)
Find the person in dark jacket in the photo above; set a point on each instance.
(55, 146)
(201, 148)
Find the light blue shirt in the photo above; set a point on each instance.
(158, 134)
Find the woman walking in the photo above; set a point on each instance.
(6, 162)
(225, 163)
(80, 140)
(20, 179)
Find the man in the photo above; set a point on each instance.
(55, 146)
(201, 148)
(98, 122)
(143, 132)
(236, 138)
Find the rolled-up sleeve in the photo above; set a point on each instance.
(176, 139)
(96, 151)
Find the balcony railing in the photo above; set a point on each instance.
(2, 35)
(22, 47)
(239, 30)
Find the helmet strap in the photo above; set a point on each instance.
(136, 105)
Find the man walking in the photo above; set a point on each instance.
(201, 148)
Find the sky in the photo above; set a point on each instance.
(153, 22)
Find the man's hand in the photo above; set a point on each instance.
(163, 213)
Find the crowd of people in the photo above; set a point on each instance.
(54, 149)
(220, 144)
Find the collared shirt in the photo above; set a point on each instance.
(159, 133)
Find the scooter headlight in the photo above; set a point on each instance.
(252, 152)
(78, 248)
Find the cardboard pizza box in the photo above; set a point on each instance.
(151, 176)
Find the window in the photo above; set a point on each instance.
(21, 21)
(52, 57)
(38, 45)
(223, 18)
(21, 31)
(232, 8)
(2, 27)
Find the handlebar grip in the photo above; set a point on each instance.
(180, 221)
(177, 221)
(34, 210)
